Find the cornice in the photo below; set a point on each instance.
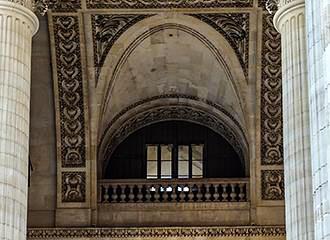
(155, 232)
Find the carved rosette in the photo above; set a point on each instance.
(155, 232)
(136, 4)
(272, 184)
(107, 28)
(271, 96)
(235, 28)
(73, 187)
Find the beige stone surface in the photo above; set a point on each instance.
(17, 26)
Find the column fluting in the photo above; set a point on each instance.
(17, 26)
(290, 22)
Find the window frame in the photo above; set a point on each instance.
(175, 160)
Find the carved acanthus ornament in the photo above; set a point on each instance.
(107, 28)
(235, 28)
(272, 6)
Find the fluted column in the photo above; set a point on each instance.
(17, 26)
(318, 33)
(290, 22)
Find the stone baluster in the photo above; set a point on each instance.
(140, 194)
(241, 194)
(131, 193)
(199, 194)
(17, 26)
(224, 192)
(233, 193)
(182, 194)
(106, 193)
(157, 195)
(191, 194)
(122, 193)
(114, 195)
(173, 194)
(165, 194)
(216, 194)
(208, 192)
(290, 22)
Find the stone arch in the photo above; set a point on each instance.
(173, 107)
(219, 51)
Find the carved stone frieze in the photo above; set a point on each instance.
(70, 98)
(64, 5)
(272, 184)
(73, 187)
(107, 28)
(175, 112)
(155, 232)
(271, 96)
(135, 4)
(235, 28)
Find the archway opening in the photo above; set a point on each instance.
(174, 149)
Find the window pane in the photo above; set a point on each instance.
(197, 152)
(151, 169)
(166, 169)
(152, 152)
(197, 169)
(183, 169)
(183, 152)
(166, 152)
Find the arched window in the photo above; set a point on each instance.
(174, 149)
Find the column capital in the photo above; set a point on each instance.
(287, 8)
(21, 9)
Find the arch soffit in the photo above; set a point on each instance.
(130, 39)
(172, 107)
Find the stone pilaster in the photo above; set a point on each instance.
(17, 26)
(290, 22)
(318, 33)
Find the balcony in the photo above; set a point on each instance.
(177, 201)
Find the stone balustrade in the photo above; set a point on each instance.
(173, 190)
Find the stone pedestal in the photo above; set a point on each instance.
(290, 22)
(318, 33)
(17, 26)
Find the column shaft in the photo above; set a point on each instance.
(290, 22)
(318, 32)
(17, 26)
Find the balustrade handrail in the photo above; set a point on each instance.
(174, 180)
(173, 190)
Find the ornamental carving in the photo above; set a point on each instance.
(155, 232)
(272, 184)
(271, 96)
(107, 28)
(64, 5)
(70, 110)
(73, 187)
(176, 112)
(135, 4)
(235, 28)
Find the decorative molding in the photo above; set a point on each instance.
(143, 4)
(155, 232)
(107, 28)
(271, 96)
(73, 187)
(272, 6)
(235, 28)
(70, 98)
(272, 184)
(175, 112)
(64, 5)
(172, 96)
